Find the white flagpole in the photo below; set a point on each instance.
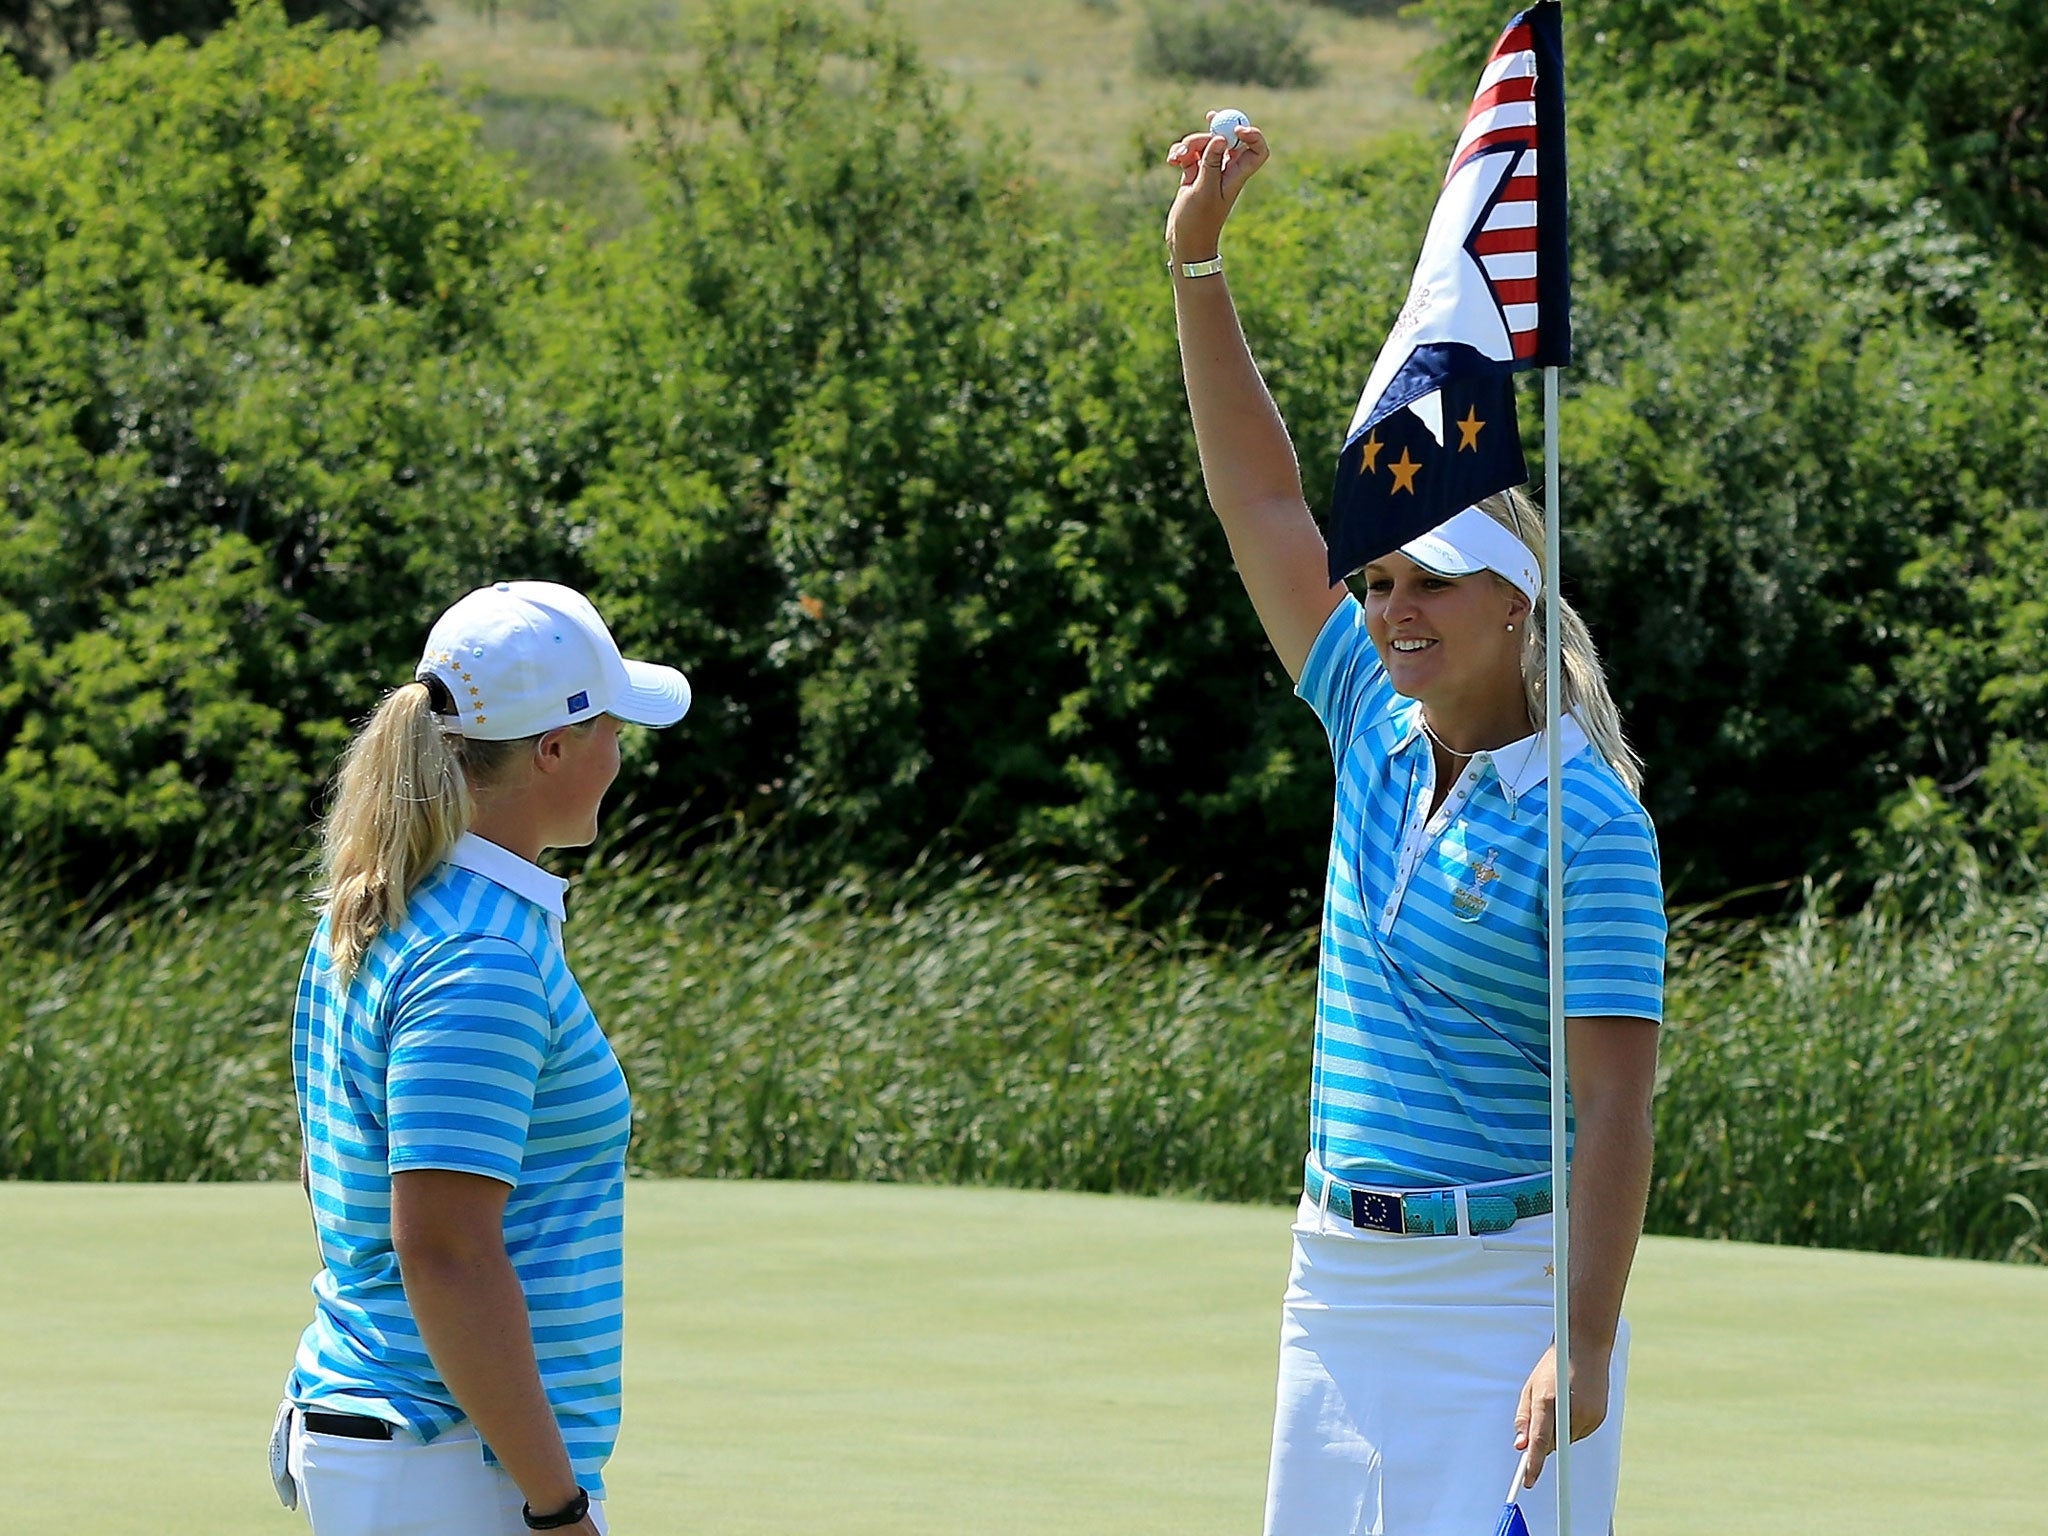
(1560, 1250)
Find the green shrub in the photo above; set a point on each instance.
(1944, 93)
(261, 329)
(890, 450)
(1248, 42)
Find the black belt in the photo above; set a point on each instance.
(351, 1426)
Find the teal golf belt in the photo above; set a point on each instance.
(1430, 1212)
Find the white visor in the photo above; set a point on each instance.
(1471, 542)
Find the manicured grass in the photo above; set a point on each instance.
(881, 1358)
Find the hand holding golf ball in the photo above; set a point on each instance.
(1214, 164)
(1225, 124)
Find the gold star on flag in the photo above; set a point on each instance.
(1404, 469)
(1468, 429)
(1369, 453)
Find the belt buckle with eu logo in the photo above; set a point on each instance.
(1376, 1212)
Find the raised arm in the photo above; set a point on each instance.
(1248, 462)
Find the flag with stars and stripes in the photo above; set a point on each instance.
(1435, 429)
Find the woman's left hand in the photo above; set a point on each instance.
(1211, 176)
(1536, 1418)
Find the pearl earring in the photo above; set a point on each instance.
(1511, 629)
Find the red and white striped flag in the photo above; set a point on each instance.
(1491, 297)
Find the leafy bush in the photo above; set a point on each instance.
(891, 452)
(1249, 42)
(261, 331)
(1754, 471)
(1946, 94)
(44, 36)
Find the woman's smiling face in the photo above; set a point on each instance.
(1442, 636)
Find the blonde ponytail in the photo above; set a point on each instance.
(401, 801)
(1584, 681)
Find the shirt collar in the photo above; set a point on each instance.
(506, 868)
(1521, 764)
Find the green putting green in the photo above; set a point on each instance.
(867, 1359)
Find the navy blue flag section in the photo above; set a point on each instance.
(1435, 429)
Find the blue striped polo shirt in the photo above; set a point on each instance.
(1432, 1045)
(464, 1043)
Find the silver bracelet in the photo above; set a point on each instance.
(1207, 268)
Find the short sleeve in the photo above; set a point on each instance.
(469, 1032)
(1614, 924)
(1342, 680)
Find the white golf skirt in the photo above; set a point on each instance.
(1402, 1361)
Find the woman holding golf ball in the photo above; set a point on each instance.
(464, 1118)
(1417, 1378)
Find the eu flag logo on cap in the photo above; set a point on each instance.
(578, 702)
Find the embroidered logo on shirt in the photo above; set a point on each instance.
(1468, 901)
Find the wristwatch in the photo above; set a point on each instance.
(571, 1513)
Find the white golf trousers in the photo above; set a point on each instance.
(400, 1487)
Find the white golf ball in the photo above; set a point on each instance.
(1225, 125)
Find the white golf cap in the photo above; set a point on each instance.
(524, 657)
(1471, 542)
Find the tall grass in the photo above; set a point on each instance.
(1844, 1082)
(152, 1042)
(1858, 1082)
(966, 1029)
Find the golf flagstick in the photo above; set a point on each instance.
(1521, 1471)
(1511, 1521)
(1560, 1225)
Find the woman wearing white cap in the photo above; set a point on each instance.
(1416, 1368)
(464, 1118)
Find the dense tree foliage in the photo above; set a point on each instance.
(42, 36)
(1949, 95)
(1810, 416)
(257, 313)
(889, 450)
